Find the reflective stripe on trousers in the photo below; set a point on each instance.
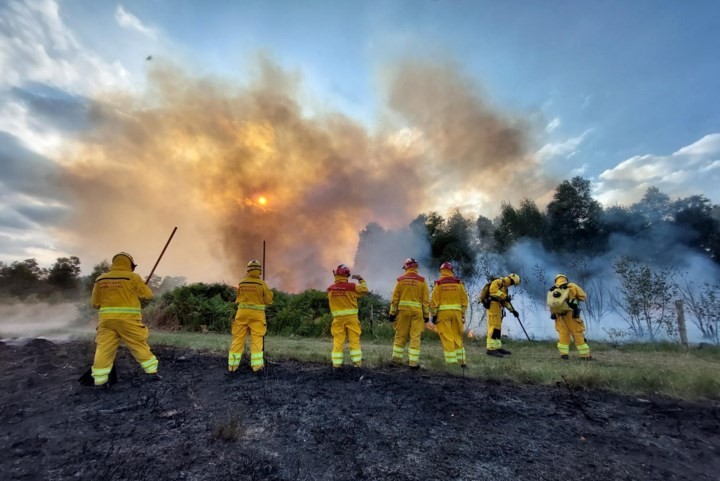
(256, 359)
(101, 375)
(460, 355)
(493, 344)
(150, 366)
(451, 357)
(563, 348)
(234, 359)
(398, 352)
(583, 350)
(337, 358)
(413, 355)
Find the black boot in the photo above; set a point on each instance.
(504, 352)
(564, 357)
(493, 353)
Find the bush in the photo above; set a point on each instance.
(195, 305)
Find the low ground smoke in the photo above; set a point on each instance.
(57, 321)
(233, 165)
(596, 275)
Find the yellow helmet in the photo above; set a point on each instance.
(561, 275)
(254, 265)
(515, 278)
(130, 258)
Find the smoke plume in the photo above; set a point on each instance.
(233, 165)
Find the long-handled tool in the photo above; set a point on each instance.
(86, 379)
(517, 316)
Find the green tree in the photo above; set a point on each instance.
(485, 234)
(574, 219)
(98, 270)
(654, 208)
(450, 240)
(693, 216)
(23, 278)
(514, 224)
(64, 276)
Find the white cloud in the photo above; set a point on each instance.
(554, 124)
(565, 149)
(37, 46)
(127, 20)
(693, 169)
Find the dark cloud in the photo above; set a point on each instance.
(22, 170)
(53, 107)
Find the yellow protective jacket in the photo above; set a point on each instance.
(411, 293)
(574, 290)
(343, 296)
(117, 293)
(448, 294)
(253, 294)
(498, 291)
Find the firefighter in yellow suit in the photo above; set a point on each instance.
(410, 310)
(343, 299)
(116, 294)
(252, 297)
(499, 300)
(570, 324)
(448, 304)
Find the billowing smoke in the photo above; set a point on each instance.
(233, 165)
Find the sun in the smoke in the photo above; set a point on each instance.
(262, 200)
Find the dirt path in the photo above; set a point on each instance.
(304, 422)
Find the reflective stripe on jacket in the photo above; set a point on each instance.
(411, 293)
(253, 295)
(116, 294)
(343, 296)
(448, 294)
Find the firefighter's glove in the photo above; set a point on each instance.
(508, 298)
(576, 312)
(516, 314)
(553, 316)
(392, 317)
(426, 319)
(356, 276)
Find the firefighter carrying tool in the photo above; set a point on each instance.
(498, 300)
(116, 294)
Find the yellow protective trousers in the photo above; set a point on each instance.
(568, 327)
(346, 327)
(109, 334)
(450, 329)
(256, 326)
(495, 316)
(408, 324)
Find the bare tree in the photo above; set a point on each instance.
(703, 302)
(644, 298)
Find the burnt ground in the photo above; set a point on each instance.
(303, 422)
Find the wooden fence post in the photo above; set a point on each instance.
(682, 330)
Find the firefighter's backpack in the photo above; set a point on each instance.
(557, 298)
(484, 298)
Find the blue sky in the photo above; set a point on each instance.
(625, 93)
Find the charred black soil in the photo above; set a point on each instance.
(304, 422)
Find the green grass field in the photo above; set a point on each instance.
(665, 369)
